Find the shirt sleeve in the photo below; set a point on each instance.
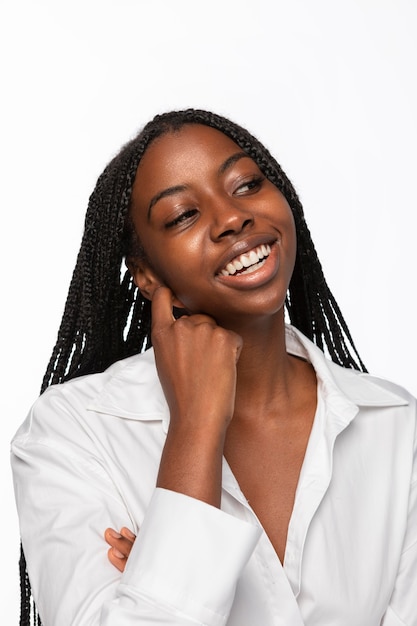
(183, 568)
(402, 610)
(184, 564)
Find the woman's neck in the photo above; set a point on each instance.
(270, 381)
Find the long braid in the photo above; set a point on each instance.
(90, 336)
(106, 318)
(24, 591)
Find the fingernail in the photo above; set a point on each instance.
(128, 533)
(114, 533)
(117, 553)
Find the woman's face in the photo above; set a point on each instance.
(213, 228)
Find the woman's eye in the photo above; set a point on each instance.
(249, 186)
(182, 217)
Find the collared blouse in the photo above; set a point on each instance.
(87, 458)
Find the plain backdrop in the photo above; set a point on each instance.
(328, 85)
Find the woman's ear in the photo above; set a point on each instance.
(147, 280)
(144, 277)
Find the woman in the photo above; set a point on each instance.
(265, 483)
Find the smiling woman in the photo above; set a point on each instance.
(238, 462)
(223, 206)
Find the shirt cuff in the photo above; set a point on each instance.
(188, 555)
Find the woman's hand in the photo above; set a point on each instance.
(196, 361)
(121, 545)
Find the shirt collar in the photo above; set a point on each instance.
(357, 387)
(132, 389)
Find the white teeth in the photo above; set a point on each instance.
(249, 260)
(252, 258)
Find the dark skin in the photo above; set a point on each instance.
(199, 204)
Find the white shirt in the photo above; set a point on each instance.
(87, 458)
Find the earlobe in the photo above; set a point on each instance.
(144, 277)
(147, 281)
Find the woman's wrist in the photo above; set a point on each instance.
(191, 463)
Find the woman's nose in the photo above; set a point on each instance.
(230, 220)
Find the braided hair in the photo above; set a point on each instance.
(106, 318)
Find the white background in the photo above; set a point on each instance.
(328, 85)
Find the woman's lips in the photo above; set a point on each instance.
(243, 249)
(261, 264)
(248, 261)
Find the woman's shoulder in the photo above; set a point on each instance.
(126, 388)
(371, 389)
(126, 371)
(360, 387)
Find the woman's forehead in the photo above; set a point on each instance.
(194, 150)
(188, 140)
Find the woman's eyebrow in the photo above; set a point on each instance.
(231, 160)
(169, 191)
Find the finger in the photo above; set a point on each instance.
(198, 318)
(115, 560)
(121, 545)
(125, 532)
(111, 535)
(162, 303)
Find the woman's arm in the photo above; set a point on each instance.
(402, 610)
(185, 563)
(175, 575)
(196, 361)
